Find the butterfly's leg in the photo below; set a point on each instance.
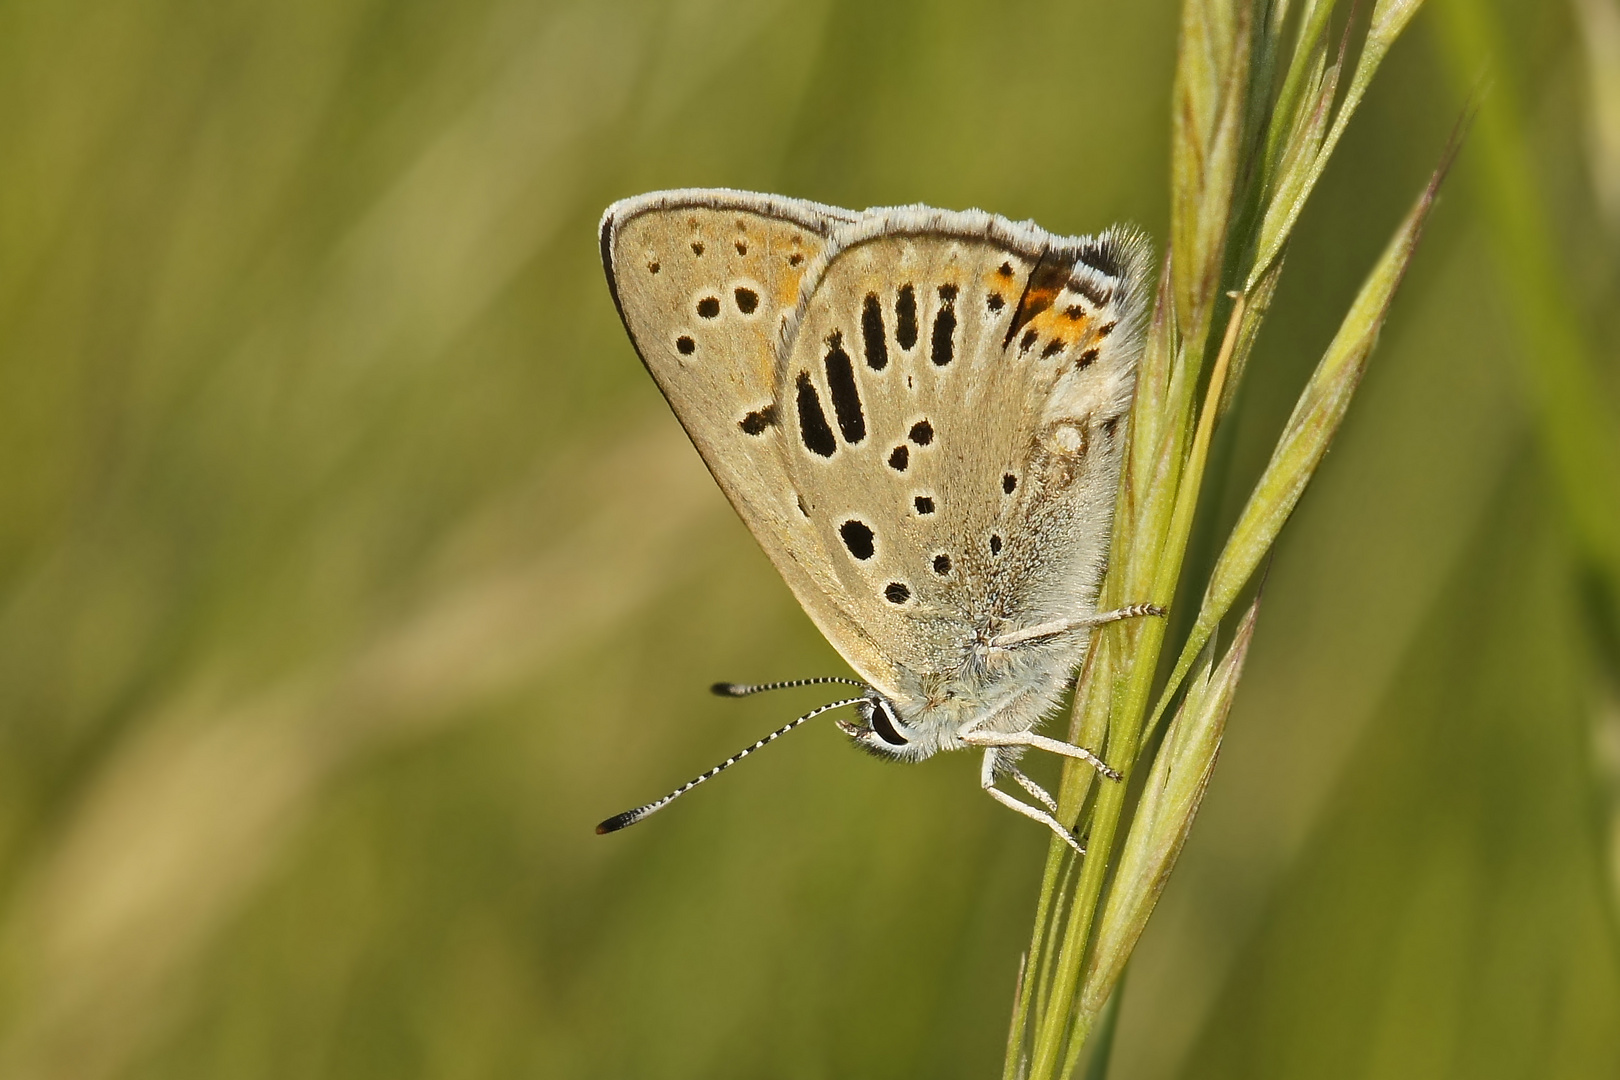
(1134, 611)
(1046, 631)
(987, 780)
(1032, 787)
(1039, 742)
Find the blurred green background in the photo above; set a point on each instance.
(351, 568)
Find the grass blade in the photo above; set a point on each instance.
(1316, 418)
(1175, 787)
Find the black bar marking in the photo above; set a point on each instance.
(814, 430)
(905, 317)
(1042, 288)
(846, 396)
(872, 334)
(943, 346)
(1098, 296)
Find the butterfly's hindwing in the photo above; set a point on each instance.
(957, 403)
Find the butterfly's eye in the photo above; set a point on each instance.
(886, 725)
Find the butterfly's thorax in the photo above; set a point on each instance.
(919, 414)
(992, 690)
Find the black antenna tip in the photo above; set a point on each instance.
(617, 822)
(729, 689)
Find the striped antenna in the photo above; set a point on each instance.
(630, 817)
(736, 689)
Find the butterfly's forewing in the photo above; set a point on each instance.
(953, 395)
(704, 280)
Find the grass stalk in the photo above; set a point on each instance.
(1246, 156)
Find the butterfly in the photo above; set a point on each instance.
(920, 415)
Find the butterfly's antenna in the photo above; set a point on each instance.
(630, 817)
(735, 689)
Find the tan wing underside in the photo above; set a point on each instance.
(703, 289)
(1038, 412)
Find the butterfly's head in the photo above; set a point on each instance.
(881, 733)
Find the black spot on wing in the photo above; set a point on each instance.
(858, 538)
(922, 433)
(747, 299)
(846, 396)
(709, 307)
(814, 430)
(923, 504)
(943, 345)
(899, 458)
(942, 564)
(873, 338)
(896, 592)
(905, 317)
(757, 421)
